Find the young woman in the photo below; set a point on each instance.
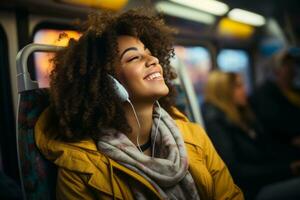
(238, 137)
(108, 146)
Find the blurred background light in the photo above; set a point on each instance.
(233, 29)
(246, 17)
(184, 12)
(210, 6)
(42, 60)
(103, 4)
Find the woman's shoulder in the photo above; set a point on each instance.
(192, 133)
(75, 156)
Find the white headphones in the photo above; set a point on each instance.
(120, 89)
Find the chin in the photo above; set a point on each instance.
(159, 94)
(164, 91)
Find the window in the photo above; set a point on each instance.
(42, 61)
(233, 60)
(8, 150)
(197, 61)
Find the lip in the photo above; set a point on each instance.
(152, 72)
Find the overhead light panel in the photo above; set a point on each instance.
(246, 17)
(210, 6)
(184, 12)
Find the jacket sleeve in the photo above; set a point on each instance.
(224, 186)
(72, 185)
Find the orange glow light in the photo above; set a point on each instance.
(114, 5)
(233, 29)
(42, 61)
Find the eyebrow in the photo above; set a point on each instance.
(130, 49)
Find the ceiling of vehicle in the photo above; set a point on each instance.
(286, 12)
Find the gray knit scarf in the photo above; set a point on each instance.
(167, 171)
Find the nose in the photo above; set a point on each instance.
(151, 61)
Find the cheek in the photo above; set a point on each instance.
(130, 78)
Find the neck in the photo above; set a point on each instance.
(144, 113)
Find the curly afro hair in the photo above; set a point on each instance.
(82, 100)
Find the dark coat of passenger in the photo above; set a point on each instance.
(279, 117)
(251, 161)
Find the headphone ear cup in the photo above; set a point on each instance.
(119, 89)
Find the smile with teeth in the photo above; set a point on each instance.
(154, 76)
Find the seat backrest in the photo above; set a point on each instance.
(38, 175)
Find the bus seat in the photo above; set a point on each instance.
(37, 175)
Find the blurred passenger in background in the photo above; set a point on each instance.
(238, 138)
(277, 102)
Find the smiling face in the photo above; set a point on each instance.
(139, 71)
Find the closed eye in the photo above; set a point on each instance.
(133, 58)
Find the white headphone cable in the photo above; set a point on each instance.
(138, 122)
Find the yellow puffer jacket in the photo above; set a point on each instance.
(85, 173)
